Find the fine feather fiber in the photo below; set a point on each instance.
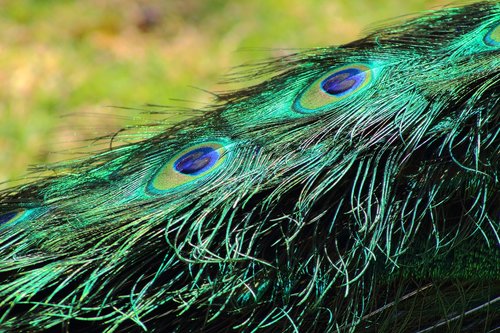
(354, 189)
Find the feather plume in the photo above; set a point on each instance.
(355, 189)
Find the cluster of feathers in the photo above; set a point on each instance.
(355, 189)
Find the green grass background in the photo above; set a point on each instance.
(62, 63)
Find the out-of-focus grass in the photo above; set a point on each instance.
(77, 57)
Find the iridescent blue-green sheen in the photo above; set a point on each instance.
(355, 189)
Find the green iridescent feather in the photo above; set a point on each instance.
(355, 190)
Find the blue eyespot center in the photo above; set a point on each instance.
(4, 218)
(197, 161)
(343, 82)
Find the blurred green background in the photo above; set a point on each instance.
(62, 63)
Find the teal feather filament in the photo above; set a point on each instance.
(189, 165)
(333, 87)
(492, 38)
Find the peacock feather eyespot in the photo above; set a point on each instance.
(197, 161)
(12, 216)
(190, 164)
(492, 37)
(334, 86)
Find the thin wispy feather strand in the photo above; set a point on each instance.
(356, 189)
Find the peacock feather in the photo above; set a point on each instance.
(355, 189)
